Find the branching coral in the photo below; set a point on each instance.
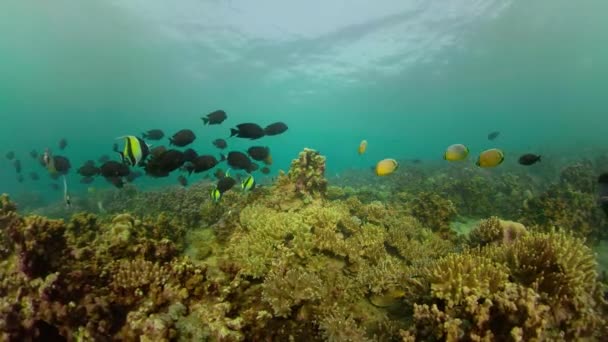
(495, 230)
(434, 212)
(307, 174)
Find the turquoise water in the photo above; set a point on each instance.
(411, 77)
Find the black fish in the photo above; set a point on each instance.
(220, 143)
(275, 128)
(63, 143)
(116, 181)
(493, 135)
(182, 180)
(603, 192)
(225, 184)
(87, 180)
(17, 165)
(104, 158)
(133, 175)
(153, 134)
(165, 163)
(215, 118)
(265, 170)
(219, 174)
(253, 167)
(20, 178)
(529, 159)
(247, 130)
(182, 138)
(258, 153)
(62, 164)
(10, 155)
(34, 176)
(238, 160)
(34, 154)
(203, 163)
(88, 170)
(114, 169)
(190, 155)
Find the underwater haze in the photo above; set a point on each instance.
(409, 76)
(417, 170)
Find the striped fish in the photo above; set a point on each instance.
(135, 151)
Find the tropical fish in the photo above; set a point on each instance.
(362, 146)
(493, 135)
(225, 184)
(114, 169)
(182, 180)
(203, 163)
(153, 134)
(386, 167)
(62, 164)
(248, 183)
(215, 117)
(258, 153)
(182, 138)
(17, 165)
(216, 195)
(529, 159)
(247, 130)
(456, 152)
(135, 151)
(275, 128)
(490, 158)
(238, 160)
(88, 170)
(220, 143)
(166, 161)
(190, 155)
(63, 143)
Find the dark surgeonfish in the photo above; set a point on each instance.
(165, 162)
(153, 134)
(88, 170)
(114, 169)
(275, 128)
(220, 143)
(63, 143)
(190, 155)
(17, 165)
(215, 117)
(203, 163)
(258, 153)
(603, 192)
(238, 160)
(182, 138)
(135, 151)
(493, 135)
(247, 130)
(62, 164)
(529, 159)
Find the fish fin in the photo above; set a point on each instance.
(222, 157)
(122, 137)
(539, 158)
(205, 120)
(122, 156)
(170, 141)
(233, 132)
(144, 136)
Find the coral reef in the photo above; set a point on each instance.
(303, 261)
(542, 286)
